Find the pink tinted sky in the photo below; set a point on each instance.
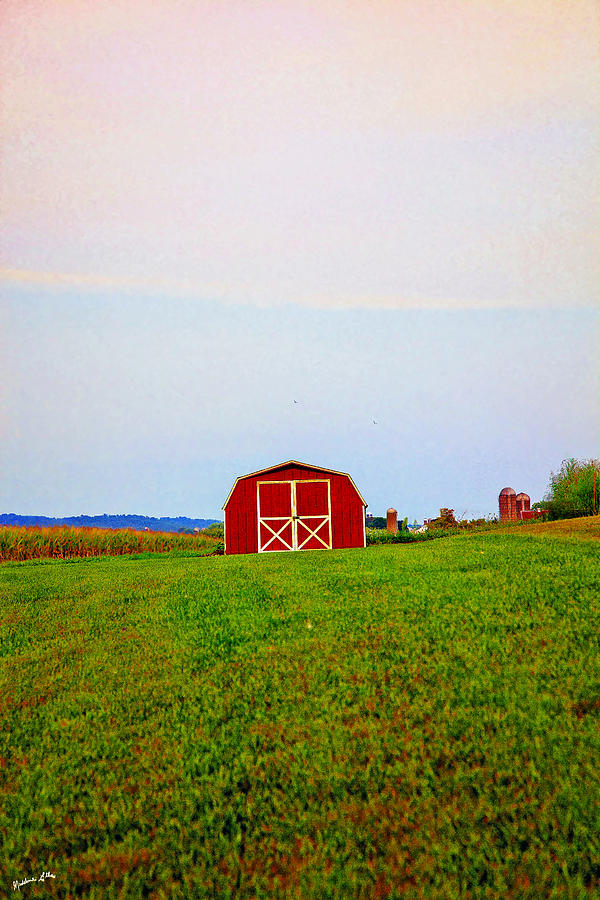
(381, 153)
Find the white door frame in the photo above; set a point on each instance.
(271, 522)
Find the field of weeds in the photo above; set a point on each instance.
(61, 542)
(587, 527)
(418, 721)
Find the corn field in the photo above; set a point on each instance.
(61, 542)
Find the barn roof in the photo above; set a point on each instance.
(293, 462)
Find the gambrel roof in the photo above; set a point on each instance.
(293, 462)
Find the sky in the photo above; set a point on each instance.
(387, 212)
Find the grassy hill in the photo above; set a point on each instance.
(406, 720)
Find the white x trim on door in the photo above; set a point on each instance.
(276, 534)
(313, 534)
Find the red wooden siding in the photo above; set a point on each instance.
(347, 510)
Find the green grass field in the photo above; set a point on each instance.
(416, 721)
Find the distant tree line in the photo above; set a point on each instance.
(381, 522)
(137, 523)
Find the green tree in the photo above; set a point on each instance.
(574, 490)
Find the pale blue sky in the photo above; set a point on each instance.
(154, 406)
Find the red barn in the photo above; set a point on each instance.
(294, 506)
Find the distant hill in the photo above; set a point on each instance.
(139, 523)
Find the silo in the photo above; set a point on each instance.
(523, 503)
(392, 520)
(507, 502)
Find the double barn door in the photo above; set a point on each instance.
(294, 515)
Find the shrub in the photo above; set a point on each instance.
(574, 490)
(217, 529)
(381, 536)
(445, 520)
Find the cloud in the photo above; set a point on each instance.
(239, 295)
